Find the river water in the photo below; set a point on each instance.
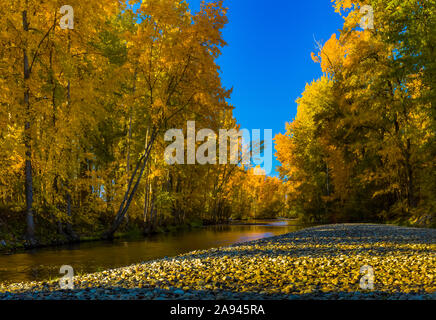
(44, 263)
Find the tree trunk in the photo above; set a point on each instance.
(147, 188)
(410, 183)
(30, 233)
(130, 139)
(70, 232)
(130, 192)
(146, 193)
(128, 153)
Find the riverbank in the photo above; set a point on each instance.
(19, 244)
(315, 263)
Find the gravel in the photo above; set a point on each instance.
(321, 262)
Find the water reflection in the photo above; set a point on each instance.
(44, 263)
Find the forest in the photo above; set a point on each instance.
(83, 116)
(84, 110)
(362, 145)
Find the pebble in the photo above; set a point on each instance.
(322, 262)
(179, 292)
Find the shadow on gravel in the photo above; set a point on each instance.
(305, 252)
(118, 293)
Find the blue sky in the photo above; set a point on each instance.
(267, 60)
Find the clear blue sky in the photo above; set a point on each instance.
(267, 60)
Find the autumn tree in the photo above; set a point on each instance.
(373, 124)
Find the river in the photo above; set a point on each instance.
(88, 257)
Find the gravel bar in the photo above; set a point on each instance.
(322, 262)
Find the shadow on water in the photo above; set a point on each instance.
(44, 263)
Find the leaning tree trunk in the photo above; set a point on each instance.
(130, 192)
